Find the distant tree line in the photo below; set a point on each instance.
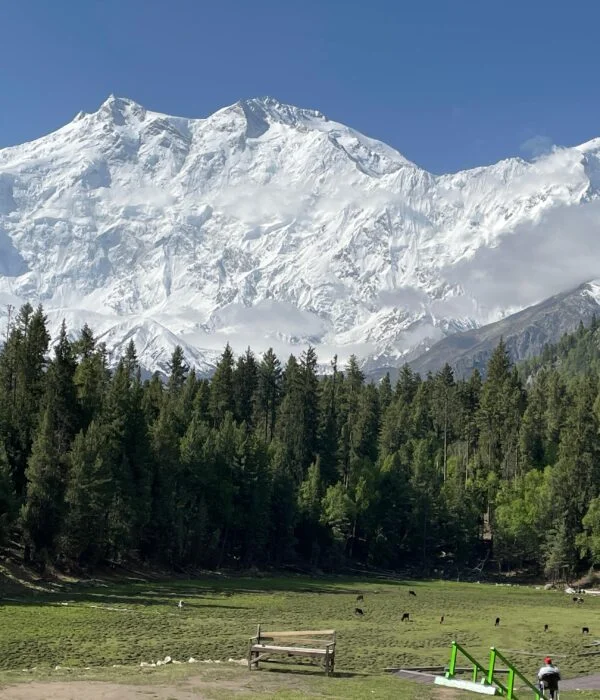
(268, 465)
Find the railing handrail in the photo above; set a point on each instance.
(471, 659)
(489, 675)
(517, 673)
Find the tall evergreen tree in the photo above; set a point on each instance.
(22, 365)
(8, 499)
(222, 397)
(62, 394)
(268, 393)
(385, 392)
(91, 376)
(87, 499)
(43, 509)
(328, 426)
(178, 371)
(245, 382)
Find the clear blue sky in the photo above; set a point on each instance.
(451, 84)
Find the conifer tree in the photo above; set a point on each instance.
(268, 393)
(126, 442)
(22, 365)
(8, 499)
(61, 393)
(245, 383)
(328, 426)
(499, 414)
(43, 509)
(385, 392)
(407, 384)
(178, 371)
(87, 499)
(222, 398)
(444, 407)
(91, 376)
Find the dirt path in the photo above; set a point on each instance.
(186, 689)
(582, 683)
(228, 683)
(96, 690)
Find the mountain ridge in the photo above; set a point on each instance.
(265, 224)
(525, 333)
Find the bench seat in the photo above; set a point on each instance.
(293, 643)
(289, 650)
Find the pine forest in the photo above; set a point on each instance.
(267, 464)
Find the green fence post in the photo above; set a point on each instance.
(490, 676)
(511, 682)
(452, 665)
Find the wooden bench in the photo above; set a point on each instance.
(315, 644)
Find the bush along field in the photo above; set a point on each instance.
(128, 624)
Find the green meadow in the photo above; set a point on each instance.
(106, 631)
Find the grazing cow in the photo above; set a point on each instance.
(545, 628)
(405, 617)
(441, 619)
(585, 630)
(497, 622)
(359, 598)
(358, 611)
(412, 593)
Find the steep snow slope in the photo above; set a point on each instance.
(269, 225)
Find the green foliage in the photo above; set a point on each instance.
(43, 508)
(523, 515)
(257, 466)
(589, 540)
(87, 499)
(8, 500)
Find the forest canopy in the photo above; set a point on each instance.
(267, 463)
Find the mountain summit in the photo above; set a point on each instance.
(265, 224)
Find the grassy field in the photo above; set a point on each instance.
(95, 628)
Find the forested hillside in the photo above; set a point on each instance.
(268, 464)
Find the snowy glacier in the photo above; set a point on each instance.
(267, 225)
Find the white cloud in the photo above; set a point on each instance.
(534, 262)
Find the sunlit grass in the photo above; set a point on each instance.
(126, 624)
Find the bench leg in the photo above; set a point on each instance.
(252, 655)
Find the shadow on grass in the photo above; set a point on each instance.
(75, 600)
(167, 593)
(293, 670)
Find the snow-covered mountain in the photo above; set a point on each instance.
(269, 225)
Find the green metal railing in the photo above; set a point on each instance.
(488, 676)
(510, 681)
(477, 667)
